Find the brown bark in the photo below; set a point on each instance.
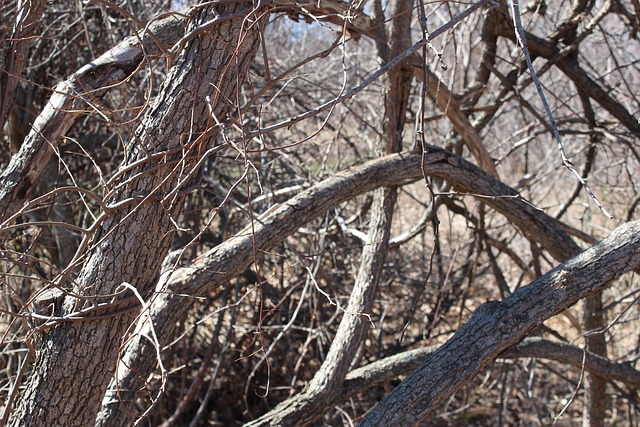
(210, 271)
(595, 386)
(398, 81)
(66, 105)
(77, 359)
(593, 321)
(496, 326)
(16, 58)
(361, 379)
(450, 107)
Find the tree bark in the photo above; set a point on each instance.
(450, 106)
(67, 104)
(148, 205)
(595, 387)
(210, 271)
(17, 54)
(496, 326)
(77, 359)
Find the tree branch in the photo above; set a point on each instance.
(389, 368)
(67, 104)
(211, 270)
(496, 326)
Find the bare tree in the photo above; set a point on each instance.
(272, 212)
(178, 131)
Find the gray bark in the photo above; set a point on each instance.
(17, 54)
(210, 271)
(496, 326)
(66, 105)
(77, 359)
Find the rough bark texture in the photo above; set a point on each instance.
(215, 267)
(77, 359)
(496, 326)
(392, 367)
(210, 271)
(17, 55)
(66, 105)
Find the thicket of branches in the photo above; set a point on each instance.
(364, 191)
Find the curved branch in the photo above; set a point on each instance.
(575, 356)
(211, 270)
(67, 104)
(496, 326)
(389, 368)
(229, 259)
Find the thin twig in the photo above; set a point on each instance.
(519, 31)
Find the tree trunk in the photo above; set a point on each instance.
(77, 358)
